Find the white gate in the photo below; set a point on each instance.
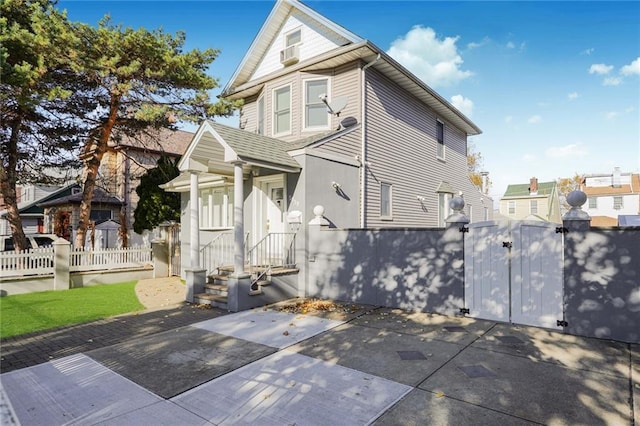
(513, 272)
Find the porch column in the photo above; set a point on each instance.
(194, 248)
(238, 219)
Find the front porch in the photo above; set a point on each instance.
(234, 218)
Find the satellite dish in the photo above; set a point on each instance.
(336, 106)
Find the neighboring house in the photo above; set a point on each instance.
(32, 215)
(62, 213)
(532, 201)
(610, 196)
(328, 119)
(127, 158)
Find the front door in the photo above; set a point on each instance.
(270, 206)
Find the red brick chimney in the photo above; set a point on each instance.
(533, 185)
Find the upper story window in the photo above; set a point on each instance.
(440, 138)
(533, 206)
(315, 111)
(617, 202)
(260, 129)
(282, 110)
(386, 201)
(512, 207)
(593, 202)
(292, 38)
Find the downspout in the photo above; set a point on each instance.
(363, 160)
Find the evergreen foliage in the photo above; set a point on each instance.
(156, 205)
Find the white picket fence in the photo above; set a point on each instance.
(38, 261)
(41, 261)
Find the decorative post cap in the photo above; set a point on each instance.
(457, 205)
(318, 211)
(576, 200)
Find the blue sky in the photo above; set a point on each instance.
(555, 86)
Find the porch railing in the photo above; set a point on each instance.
(276, 249)
(219, 251)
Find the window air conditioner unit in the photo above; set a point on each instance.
(289, 55)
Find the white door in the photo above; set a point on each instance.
(536, 274)
(270, 206)
(486, 262)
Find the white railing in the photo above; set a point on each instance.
(219, 252)
(38, 261)
(109, 258)
(277, 249)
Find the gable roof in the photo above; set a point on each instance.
(33, 208)
(99, 197)
(522, 190)
(241, 86)
(215, 146)
(173, 142)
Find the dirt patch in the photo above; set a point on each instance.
(309, 306)
(161, 293)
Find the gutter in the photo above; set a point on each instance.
(363, 160)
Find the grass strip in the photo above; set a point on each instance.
(26, 313)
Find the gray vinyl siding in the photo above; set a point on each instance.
(401, 149)
(349, 145)
(343, 81)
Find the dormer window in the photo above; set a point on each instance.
(290, 54)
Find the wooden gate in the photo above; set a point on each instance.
(513, 272)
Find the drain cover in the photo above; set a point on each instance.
(411, 355)
(455, 329)
(511, 340)
(475, 371)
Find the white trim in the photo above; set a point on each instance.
(338, 158)
(285, 35)
(305, 127)
(273, 110)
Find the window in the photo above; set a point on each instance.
(440, 136)
(512, 207)
(294, 37)
(315, 111)
(216, 207)
(617, 203)
(593, 202)
(260, 129)
(444, 210)
(282, 110)
(100, 215)
(385, 201)
(533, 206)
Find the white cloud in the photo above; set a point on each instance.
(588, 51)
(600, 69)
(435, 61)
(573, 95)
(463, 104)
(630, 109)
(612, 81)
(572, 150)
(611, 115)
(476, 44)
(511, 45)
(534, 119)
(508, 119)
(631, 69)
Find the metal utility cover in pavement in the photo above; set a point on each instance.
(509, 339)
(411, 355)
(475, 371)
(455, 329)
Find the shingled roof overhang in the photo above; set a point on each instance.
(367, 52)
(215, 147)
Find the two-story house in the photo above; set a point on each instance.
(531, 201)
(610, 196)
(328, 119)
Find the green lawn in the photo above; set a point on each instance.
(24, 313)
